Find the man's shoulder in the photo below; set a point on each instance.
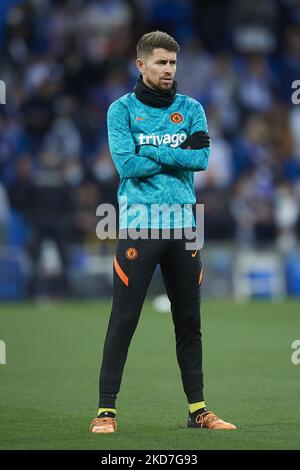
(187, 100)
(121, 103)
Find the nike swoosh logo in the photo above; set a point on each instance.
(194, 253)
(139, 119)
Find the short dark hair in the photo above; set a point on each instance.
(156, 40)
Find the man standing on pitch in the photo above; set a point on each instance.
(157, 140)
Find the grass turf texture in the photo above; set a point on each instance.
(48, 388)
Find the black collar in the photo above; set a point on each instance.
(157, 99)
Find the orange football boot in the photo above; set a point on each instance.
(103, 425)
(209, 420)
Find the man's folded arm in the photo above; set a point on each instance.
(122, 147)
(192, 159)
(184, 159)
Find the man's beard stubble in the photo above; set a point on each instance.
(157, 87)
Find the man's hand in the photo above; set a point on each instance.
(198, 140)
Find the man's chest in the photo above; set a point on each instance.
(159, 127)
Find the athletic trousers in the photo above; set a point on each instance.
(134, 265)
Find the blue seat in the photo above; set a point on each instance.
(17, 230)
(292, 272)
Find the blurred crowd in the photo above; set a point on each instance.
(65, 61)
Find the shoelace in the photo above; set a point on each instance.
(100, 421)
(206, 418)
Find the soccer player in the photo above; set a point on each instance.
(157, 139)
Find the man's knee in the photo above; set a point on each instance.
(126, 320)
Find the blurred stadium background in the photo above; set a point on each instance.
(64, 62)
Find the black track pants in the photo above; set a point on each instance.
(134, 264)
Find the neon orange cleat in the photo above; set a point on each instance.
(209, 420)
(103, 425)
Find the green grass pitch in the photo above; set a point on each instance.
(49, 385)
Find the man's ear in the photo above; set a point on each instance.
(140, 65)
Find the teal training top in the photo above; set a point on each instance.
(162, 173)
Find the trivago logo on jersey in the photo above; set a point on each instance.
(173, 140)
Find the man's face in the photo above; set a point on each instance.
(158, 69)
